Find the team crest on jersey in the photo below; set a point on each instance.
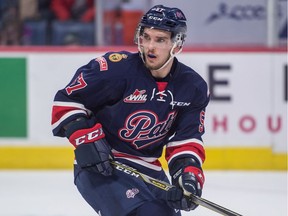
(131, 193)
(143, 128)
(115, 57)
(138, 96)
(102, 63)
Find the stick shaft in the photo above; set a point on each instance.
(165, 186)
(213, 206)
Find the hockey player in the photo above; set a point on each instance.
(127, 107)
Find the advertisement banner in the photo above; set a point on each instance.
(248, 104)
(218, 22)
(13, 94)
(246, 117)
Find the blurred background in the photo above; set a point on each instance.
(113, 22)
(238, 47)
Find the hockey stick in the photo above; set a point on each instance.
(165, 186)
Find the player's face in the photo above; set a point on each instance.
(156, 46)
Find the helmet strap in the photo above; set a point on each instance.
(172, 55)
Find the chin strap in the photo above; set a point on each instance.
(172, 55)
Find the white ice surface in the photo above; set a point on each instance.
(52, 193)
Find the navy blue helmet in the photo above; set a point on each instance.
(167, 19)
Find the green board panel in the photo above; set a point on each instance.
(13, 98)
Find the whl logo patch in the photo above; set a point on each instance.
(138, 96)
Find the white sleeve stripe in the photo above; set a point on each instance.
(146, 159)
(68, 114)
(183, 142)
(143, 163)
(187, 152)
(69, 104)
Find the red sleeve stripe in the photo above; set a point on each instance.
(183, 142)
(65, 116)
(63, 110)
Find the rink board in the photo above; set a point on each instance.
(246, 120)
(35, 157)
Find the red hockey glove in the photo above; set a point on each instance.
(188, 178)
(92, 150)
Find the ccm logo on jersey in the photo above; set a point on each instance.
(179, 103)
(87, 135)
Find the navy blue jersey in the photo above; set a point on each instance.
(139, 115)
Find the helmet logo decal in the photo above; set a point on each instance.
(180, 15)
(158, 9)
(155, 18)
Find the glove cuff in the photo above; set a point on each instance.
(197, 172)
(88, 135)
(178, 166)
